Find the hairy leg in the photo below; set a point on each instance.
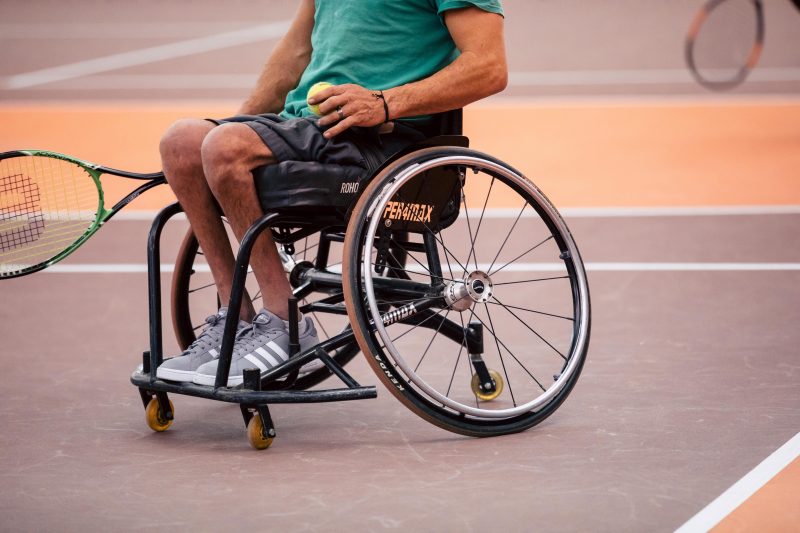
(181, 160)
(230, 153)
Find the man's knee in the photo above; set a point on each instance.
(180, 145)
(228, 153)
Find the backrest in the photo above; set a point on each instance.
(450, 122)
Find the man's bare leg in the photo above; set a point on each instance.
(182, 164)
(229, 154)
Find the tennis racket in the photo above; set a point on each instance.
(724, 42)
(50, 204)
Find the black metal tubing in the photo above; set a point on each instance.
(154, 283)
(337, 341)
(249, 397)
(336, 369)
(432, 254)
(237, 289)
(323, 251)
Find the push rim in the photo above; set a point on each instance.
(573, 266)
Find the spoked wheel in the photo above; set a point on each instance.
(194, 297)
(493, 287)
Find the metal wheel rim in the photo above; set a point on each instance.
(578, 348)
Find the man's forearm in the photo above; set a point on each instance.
(468, 79)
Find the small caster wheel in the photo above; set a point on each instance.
(488, 396)
(153, 416)
(255, 434)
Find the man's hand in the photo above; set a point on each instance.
(346, 106)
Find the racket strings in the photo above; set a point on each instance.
(46, 205)
(726, 42)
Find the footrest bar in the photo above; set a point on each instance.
(254, 397)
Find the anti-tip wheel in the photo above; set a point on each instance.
(488, 396)
(153, 416)
(255, 434)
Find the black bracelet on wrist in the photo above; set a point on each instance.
(379, 96)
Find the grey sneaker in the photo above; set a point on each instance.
(204, 349)
(263, 345)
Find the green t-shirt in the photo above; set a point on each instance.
(378, 44)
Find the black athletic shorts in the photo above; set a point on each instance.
(313, 171)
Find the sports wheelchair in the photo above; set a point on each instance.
(447, 268)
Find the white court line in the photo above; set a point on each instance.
(132, 268)
(143, 56)
(117, 30)
(572, 78)
(740, 491)
(587, 212)
(635, 77)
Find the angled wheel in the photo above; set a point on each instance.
(493, 280)
(155, 420)
(255, 434)
(482, 392)
(194, 297)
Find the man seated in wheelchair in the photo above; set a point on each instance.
(392, 65)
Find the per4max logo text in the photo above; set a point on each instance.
(408, 211)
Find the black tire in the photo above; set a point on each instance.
(563, 325)
(191, 301)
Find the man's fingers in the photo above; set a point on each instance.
(339, 127)
(333, 116)
(323, 95)
(330, 105)
(328, 92)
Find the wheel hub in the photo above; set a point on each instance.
(474, 288)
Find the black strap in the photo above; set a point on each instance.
(379, 96)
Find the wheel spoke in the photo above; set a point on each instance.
(435, 333)
(436, 235)
(504, 306)
(447, 259)
(530, 280)
(531, 310)
(480, 222)
(469, 229)
(508, 235)
(460, 351)
(415, 326)
(201, 287)
(491, 330)
(500, 353)
(463, 342)
(412, 257)
(409, 254)
(521, 255)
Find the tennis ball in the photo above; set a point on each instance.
(317, 87)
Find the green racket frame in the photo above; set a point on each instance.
(102, 216)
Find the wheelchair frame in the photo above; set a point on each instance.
(252, 397)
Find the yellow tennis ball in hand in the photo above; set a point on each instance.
(317, 87)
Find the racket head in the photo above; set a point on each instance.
(724, 42)
(50, 204)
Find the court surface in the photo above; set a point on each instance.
(686, 208)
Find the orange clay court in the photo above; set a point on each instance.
(581, 155)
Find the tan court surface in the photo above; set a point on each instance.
(691, 381)
(693, 374)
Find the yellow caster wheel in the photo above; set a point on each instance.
(488, 396)
(255, 434)
(153, 416)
